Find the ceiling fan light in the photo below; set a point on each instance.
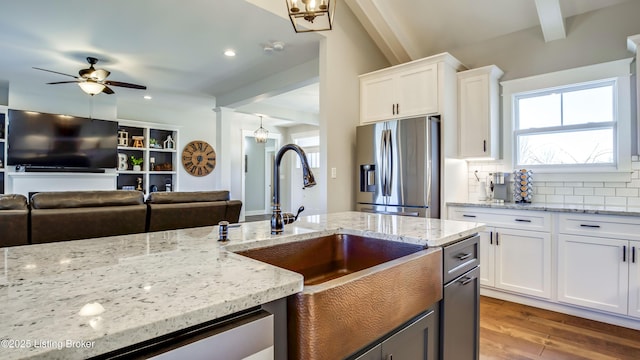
(91, 87)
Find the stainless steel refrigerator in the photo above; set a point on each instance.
(399, 167)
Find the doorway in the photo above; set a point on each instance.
(257, 173)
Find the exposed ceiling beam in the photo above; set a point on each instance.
(276, 112)
(379, 29)
(275, 84)
(551, 19)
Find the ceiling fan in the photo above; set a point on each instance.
(93, 81)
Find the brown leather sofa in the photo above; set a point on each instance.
(72, 215)
(14, 220)
(177, 210)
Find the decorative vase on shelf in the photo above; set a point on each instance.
(169, 143)
(137, 168)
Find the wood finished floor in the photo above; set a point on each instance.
(513, 331)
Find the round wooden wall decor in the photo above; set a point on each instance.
(198, 158)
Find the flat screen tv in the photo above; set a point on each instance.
(50, 140)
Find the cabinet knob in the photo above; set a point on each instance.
(484, 145)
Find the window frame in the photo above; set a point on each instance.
(620, 70)
(517, 132)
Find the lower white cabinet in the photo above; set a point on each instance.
(517, 260)
(598, 264)
(487, 258)
(634, 280)
(588, 262)
(592, 273)
(515, 249)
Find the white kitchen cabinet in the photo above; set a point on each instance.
(598, 262)
(516, 260)
(412, 89)
(591, 272)
(487, 258)
(515, 249)
(478, 112)
(634, 280)
(399, 92)
(377, 101)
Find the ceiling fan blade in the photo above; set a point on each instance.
(55, 72)
(107, 90)
(61, 82)
(126, 85)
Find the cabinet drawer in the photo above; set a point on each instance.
(516, 219)
(622, 227)
(460, 258)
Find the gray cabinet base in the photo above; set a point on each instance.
(417, 339)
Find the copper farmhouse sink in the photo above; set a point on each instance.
(356, 290)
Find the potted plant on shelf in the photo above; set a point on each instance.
(137, 162)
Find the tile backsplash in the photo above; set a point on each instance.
(574, 192)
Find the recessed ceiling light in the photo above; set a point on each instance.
(229, 52)
(148, 97)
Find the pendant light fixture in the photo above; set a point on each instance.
(261, 134)
(311, 15)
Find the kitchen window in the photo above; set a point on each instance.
(569, 126)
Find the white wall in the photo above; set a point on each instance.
(346, 53)
(63, 99)
(233, 124)
(310, 198)
(592, 38)
(595, 37)
(196, 121)
(194, 116)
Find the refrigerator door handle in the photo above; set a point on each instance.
(389, 162)
(383, 159)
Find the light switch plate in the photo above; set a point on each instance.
(333, 173)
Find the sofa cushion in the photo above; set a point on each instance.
(49, 225)
(82, 199)
(187, 196)
(13, 202)
(233, 211)
(185, 215)
(14, 220)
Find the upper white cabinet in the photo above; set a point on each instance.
(478, 112)
(404, 90)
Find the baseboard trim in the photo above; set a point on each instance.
(624, 321)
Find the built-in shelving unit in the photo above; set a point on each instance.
(3, 147)
(157, 147)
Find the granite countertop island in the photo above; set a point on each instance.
(77, 299)
(555, 207)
